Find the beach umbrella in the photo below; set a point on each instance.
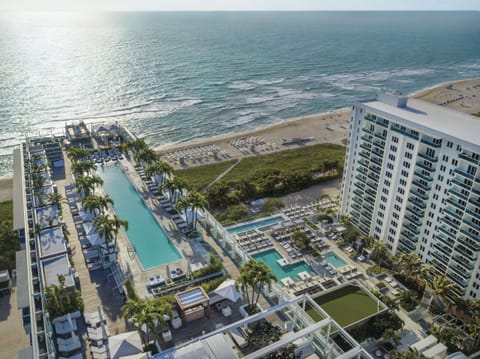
(227, 290)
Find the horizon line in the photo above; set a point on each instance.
(238, 10)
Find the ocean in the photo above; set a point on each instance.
(172, 77)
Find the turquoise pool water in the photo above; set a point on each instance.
(152, 245)
(256, 224)
(270, 258)
(334, 260)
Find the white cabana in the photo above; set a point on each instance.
(227, 290)
(125, 344)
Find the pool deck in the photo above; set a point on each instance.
(190, 250)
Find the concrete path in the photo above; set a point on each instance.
(221, 175)
(13, 337)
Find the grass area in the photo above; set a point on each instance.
(308, 158)
(345, 305)
(200, 176)
(8, 239)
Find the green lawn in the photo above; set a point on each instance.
(201, 176)
(8, 239)
(297, 159)
(345, 305)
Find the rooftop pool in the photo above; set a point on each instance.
(255, 224)
(334, 260)
(270, 258)
(149, 239)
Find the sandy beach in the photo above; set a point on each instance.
(332, 127)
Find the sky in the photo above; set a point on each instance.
(231, 5)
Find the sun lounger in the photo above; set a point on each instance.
(155, 281)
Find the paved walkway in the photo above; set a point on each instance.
(12, 334)
(95, 287)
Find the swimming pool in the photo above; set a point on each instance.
(152, 245)
(256, 224)
(270, 258)
(334, 260)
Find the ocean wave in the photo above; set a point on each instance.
(269, 82)
(242, 85)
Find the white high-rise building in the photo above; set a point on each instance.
(412, 179)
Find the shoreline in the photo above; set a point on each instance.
(302, 126)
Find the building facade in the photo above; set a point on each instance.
(412, 179)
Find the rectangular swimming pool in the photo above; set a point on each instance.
(148, 238)
(334, 260)
(256, 224)
(270, 258)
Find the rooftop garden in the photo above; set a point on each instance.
(8, 238)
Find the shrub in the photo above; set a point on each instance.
(130, 290)
(272, 205)
(212, 284)
(215, 266)
(324, 217)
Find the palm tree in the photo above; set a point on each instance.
(86, 184)
(410, 266)
(181, 206)
(474, 329)
(379, 252)
(103, 225)
(94, 203)
(55, 198)
(160, 168)
(146, 156)
(441, 286)
(76, 154)
(81, 167)
(254, 276)
(408, 354)
(117, 224)
(196, 201)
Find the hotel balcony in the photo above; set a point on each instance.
(476, 190)
(428, 157)
(457, 279)
(362, 170)
(366, 146)
(469, 244)
(414, 229)
(472, 212)
(380, 144)
(442, 248)
(469, 222)
(377, 152)
(463, 173)
(441, 267)
(423, 176)
(361, 178)
(455, 204)
(468, 158)
(415, 210)
(461, 271)
(418, 202)
(445, 239)
(474, 201)
(462, 184)
(450, 211)
(372, 185)
(461, 249)
(449, 222)
(358, 192)
(374, 177)
(429, 142)
(440, 257)
(367, 138)
(466, 264)
(369, 199)
(425, 167)
(413, 220)
(364, 154)
(363, 162)
(447, 230)
(375, 169)
(423, 186)
(380, 136)
(407, 245)
(367, 130)
(359, 185)
(376, 160)
(457, 193)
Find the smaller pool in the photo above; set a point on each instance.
(257, 224)
(270, 258)
(334, 260)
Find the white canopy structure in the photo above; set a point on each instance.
(227, 290)
(124, 345)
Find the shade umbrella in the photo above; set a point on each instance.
(228, 290)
